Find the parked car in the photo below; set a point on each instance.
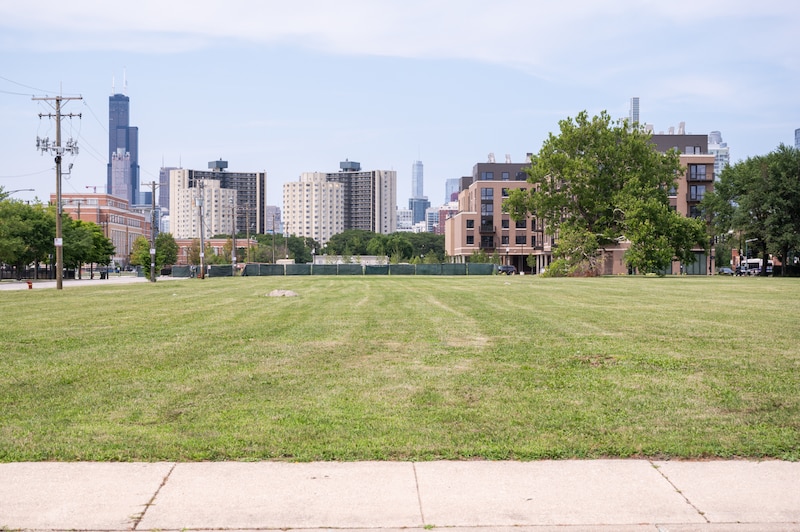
(724, 271)
(507, 269)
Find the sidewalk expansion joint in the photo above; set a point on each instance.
(419, 495)
(685, 498)
(138, 518)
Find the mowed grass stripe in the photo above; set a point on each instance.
(394, 368)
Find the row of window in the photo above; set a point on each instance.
(488, 241)
(505, 224)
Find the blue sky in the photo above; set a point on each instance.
(289, 87)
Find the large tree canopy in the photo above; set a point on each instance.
(598, 183)
(760, 198)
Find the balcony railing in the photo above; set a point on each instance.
(487, 229)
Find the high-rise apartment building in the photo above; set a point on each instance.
(241, 195)
(370, 197)
(123, 151)
(313, 207)
(720, 151)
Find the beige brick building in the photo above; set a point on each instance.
(313, 207)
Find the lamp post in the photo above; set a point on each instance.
(233, 238)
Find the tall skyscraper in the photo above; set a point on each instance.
(418, 201)
(797, 138)
(633, 112)
(416, 180)
(123, 150)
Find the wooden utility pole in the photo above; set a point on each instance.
(71, 147)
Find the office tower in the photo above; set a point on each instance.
(163, 187)
(451, 188)
(418, 206)
(797, 138)
(416, 180)
(123, 151)
(633, 112)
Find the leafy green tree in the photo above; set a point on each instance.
(78, 243)
(353, 240)
(140, 254)
(427, 245)
(193, 255)
(760, 199)
(26, 233)
(598, 183)
(166, 250)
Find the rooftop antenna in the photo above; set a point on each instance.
(124, 81)
(113, 84)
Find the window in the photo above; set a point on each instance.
(504, 223)
(505, 176)
(504, 240)
(520, 240)
(470, 224)
(470, 240)
(487, 176)
(487, 193)
(520, 224)
(533, 241)
(505, 192)
(697, 172)
(697, 192)
(487, 209)
(487, 241)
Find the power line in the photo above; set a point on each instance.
(26, 86)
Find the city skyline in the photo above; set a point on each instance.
(295, 88)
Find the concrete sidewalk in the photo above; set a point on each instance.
(571, 495)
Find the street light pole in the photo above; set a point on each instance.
(233, 238)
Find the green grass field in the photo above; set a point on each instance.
(402, 368)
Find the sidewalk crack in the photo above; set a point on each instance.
(685, 498)
(140, 516)
(419, 495)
